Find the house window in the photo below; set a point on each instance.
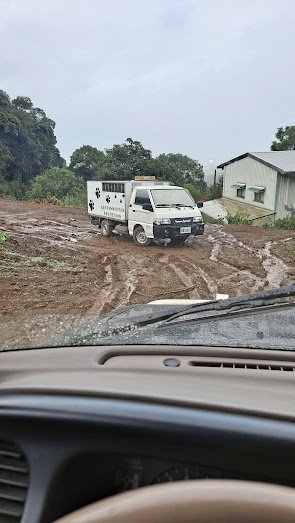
(258, 193)
(240, 187)
(241, 192)
(259, 197)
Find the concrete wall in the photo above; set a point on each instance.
(251, 172)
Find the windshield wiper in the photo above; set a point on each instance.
(262, 302)
(181, 205)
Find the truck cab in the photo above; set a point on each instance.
(167, 214)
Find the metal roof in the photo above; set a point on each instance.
(281, 161)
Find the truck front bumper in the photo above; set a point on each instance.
(161, 232)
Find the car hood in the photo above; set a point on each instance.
(136, 325)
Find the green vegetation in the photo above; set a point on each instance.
(215, 191)
(14, 260)
(287, 224)
(27, 144)
(87, 162)
(209, 219)
(3, 237)
(237, 219)
(61, 184)
(286, 139)
(196, 194)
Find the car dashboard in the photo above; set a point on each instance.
(78, 425)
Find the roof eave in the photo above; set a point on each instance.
(250, 155)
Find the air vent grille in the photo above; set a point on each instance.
(242, 365)
(14, 478)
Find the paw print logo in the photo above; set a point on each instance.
(91, 205)
(97, 192)
(108, 199)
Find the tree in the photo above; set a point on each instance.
(127, 160)
(215, 191)
(87, 162)
(286, 139)
(29, 136)
(196, 194)
(57, 183)
(22, 102)
(181, 170)
(5, 157)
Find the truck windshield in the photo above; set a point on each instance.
(172, 197)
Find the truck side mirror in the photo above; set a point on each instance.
(200, 205)
(147, 207)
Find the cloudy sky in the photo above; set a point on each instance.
(208, 78)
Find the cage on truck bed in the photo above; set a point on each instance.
(111, 199)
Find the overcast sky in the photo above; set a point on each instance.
(208, 78)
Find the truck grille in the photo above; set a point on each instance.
(14, 478)
(181, 221)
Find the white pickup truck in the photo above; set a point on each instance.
(145, 209)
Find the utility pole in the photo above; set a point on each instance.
(214, 183)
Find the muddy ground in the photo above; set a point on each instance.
(56, 269)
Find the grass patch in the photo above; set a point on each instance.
(209, 219)
(4, 237)
(14, 260)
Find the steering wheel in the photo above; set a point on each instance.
(209, 501)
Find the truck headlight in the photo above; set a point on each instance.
(163, 221)
(197, 219)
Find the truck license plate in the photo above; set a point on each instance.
(185, 230)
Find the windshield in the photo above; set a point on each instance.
(172, 197)
(147, 164)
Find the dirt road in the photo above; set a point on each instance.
(56, 262)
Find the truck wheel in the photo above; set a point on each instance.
(106, 229)
(140, 237)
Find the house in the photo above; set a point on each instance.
(261, 184)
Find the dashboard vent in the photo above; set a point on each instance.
(14, 478)
(243, 365)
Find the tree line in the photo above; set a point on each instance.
(31, 166)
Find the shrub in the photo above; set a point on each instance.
(237, 219)
(57, 183)
(287, 224)
(75, 201)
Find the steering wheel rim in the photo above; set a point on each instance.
(205, 501)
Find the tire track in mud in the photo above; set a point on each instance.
(115, 272)
(116, 288)
(275, 269)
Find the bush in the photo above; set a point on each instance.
(75, 201)
(237, 219)
(287, 224)
(60, 184)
